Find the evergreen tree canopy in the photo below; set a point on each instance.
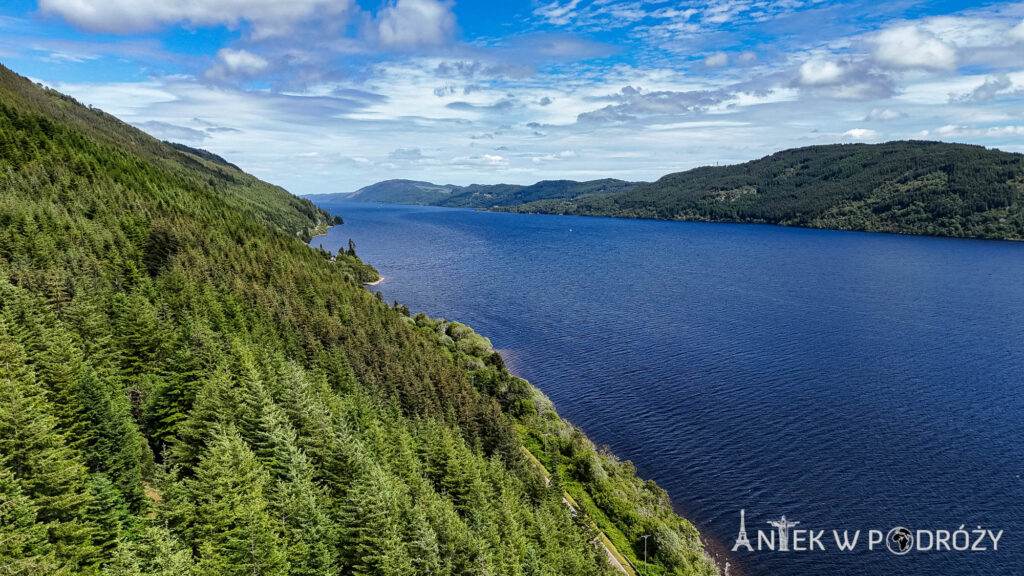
(187, 388)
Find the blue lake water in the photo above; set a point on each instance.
(846, 380)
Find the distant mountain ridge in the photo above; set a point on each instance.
(903, 187)
(475, 195)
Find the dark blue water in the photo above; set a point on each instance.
(846, 380)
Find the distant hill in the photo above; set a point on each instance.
(403, 192)
(393, 192)
(474, 195)
(499, 195)
(907, 187)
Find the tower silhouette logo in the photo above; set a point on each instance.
(741, 539)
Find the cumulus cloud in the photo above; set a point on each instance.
(842, 80)
(414, 23)
(268, 17)
(912, 47)
(717, 60)
(236, 64)
(860, 134)
(747, 57)
(820, 73)
(989, 90)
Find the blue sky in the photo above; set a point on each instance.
(330, 95)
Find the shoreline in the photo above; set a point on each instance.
(328, 229)
(717, 552)
(499, 210)
(714, 551)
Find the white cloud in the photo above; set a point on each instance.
(959, 131)
(842, 80)
(883, 115)
(239, 64)
(174, 132)
(1018, 32)
(268, 17)
(414, 23)
(861, 134)
(991, 89)
(483, 160)
(563, 155)
(912, 47)
(557, 13)
(820, 73)
(716, 60)
(506, 115)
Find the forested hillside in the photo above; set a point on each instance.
(474, 195)
(495, 195)
(186, 388)
(929, 188)
(395, 192)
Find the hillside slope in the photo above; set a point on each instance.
(188, 389)
(929, 188)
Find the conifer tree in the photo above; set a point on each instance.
(108, 512)
(166, 556)
(214, 406)
(60, 368)
(302, 506)
(24, 549)
(371, 528)
(35, 452)
(423, 546)
(114, 445)
(154, 553)
(233, 528)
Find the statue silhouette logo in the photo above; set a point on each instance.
(783, 526)
(899, 540)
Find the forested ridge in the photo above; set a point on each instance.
(911, 187)
(186, 388)
(474, 195)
